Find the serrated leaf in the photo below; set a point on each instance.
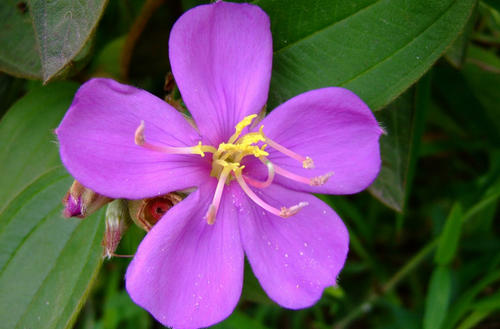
(438, 297)
(46, 261)
(448, 241)
(27, 145)
(375, 48)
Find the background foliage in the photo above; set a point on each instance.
(424, 240)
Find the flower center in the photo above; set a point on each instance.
(226, 165)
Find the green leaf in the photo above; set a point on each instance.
(46, 261)
(41, 39)
(18, 48)
(438, 297)
(375, 48)
(397, 120)
(62, 29)
(448, 241)
(27, 143)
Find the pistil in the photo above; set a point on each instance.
(269, 180)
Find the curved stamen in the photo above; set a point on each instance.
(214, 206)
(287, 212)
(283, 212)
(307, 162)
(313, 181)
(140, 140)
(269, 180)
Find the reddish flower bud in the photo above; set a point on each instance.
(80, 201)
(146, 212)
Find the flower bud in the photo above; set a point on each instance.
(117, 222)
(80, 201)
(147, 212)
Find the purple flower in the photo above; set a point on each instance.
(126, 143)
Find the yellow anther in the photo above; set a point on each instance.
(240, 126)
(198, 149)
(245, 122)
(251, 138)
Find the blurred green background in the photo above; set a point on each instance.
(425, 237)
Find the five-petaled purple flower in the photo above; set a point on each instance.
(251, 178)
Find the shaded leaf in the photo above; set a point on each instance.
(41, 40)
(18, 48)
(62, 29)
(404, 122)
(397, 120)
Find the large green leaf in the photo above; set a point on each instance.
(42, 39)
(46, 261)
(27, 142)
(377, 48)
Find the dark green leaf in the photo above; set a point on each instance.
(27, 145)
(404, 122)
(448, 241)
(62, 29)
(18, 48)
(375, 48)
(46, 261)
(438, 297)
(397, 120)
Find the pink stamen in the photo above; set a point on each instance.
(283, 212)
(287, 212)
(314, 181)
(307, 162)
(214, 206)
(269, 180)
(140, 140)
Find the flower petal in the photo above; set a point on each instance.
(221, 57)
(97, 146)
(337, 130)
(297, 257)
(186, 273)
